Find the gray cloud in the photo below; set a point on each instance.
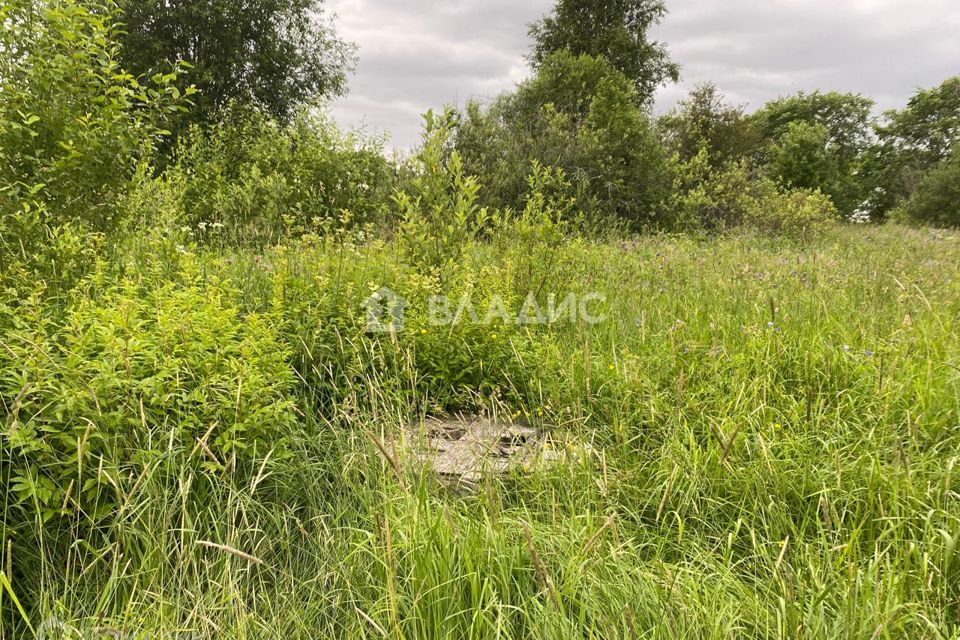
(416, 54)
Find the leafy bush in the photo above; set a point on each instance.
(440, 214)
(322, 285)
(75, 129)
(791, 212)
(705, 198)
(730, 197)
(532, 240)
(936, 201)
(801, 158)
(131, 378)
(252, 181)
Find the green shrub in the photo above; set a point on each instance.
(76, 131)
(936, 201)
(819, 141)
(792, 212)
(533, 239)
(131, 378)
(729, 197)
(707, 198)
(440, 214)
(249, 180)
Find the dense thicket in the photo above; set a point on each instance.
(910, 142)
(580, 114)
(76, 131)
(704, 121)
(935, 200)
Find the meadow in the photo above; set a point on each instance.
(762, 443)
(227, 325)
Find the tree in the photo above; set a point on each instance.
(929, 127)
(579, 114)
(846, 116)
(275, 54)
(936, 200)
(704, 121)
(911, 142)
(615, 29)
(840, 123)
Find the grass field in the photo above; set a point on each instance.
(773, 434)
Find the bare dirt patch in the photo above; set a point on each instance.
(460, 450)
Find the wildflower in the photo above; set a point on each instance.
(869, 353)
(423, 332)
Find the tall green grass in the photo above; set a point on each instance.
(773, 428)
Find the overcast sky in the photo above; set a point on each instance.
(418, 54)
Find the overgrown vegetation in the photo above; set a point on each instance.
(759, 421)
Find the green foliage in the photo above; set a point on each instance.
(763, 419)
(846, 117)
(578, 114)
(936, 200)
(795, 212)
(440, 214)
(76, 131)
(801, 157)
(705, 121)
(758, 440)
(706, 198)
(250, 181)
(131, 378)
(725, 198)
(532, 240)
(618, 31)
(818, 141)
(929, 127)
(274, 54)
(911, 142)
